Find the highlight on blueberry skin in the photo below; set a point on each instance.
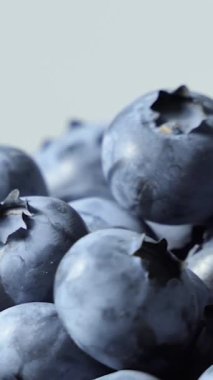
(207, 375)
(200, 261)
(177, 236)
(157, 157)
(99, 213)
(128, 375)
(125, 284)
(19, 171)
(35, 346)
(35, 233)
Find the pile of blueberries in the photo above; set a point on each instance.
(106, 247)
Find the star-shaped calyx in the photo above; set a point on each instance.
(160, 264)
(179, 112)
(14, 216)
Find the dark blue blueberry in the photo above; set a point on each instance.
(158, 157)
(35, 233)
(128, 302)
(35, 346)
(18, 170)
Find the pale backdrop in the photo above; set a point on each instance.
(89, 58)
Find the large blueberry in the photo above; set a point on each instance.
(128, 302)
(128, 375)
(158, 158)
(35, 346)
(71, 164)
(99, 213)
(18, 170)
(35, 233)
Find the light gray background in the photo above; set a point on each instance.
(89, 58)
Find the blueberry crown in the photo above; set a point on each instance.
(160, 264)
(14, 217)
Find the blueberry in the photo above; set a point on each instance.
(128, 375)
(35, 233)
(207, 375)
(35, 346)
(202, 354)
(128, 302)
(71, 164)
(18, 170)
(99, 213)
(200, 261)
(157, 157)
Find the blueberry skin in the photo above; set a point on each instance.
(99, 213)
(201, 263)
(176, 236)
(207, 375)
(71, 164)
(128, 375)
(29, 257)
(202, 353)
(35, 346)
(132, 320)
(19, 170)
(157, 151)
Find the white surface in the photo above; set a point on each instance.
(89, 58)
